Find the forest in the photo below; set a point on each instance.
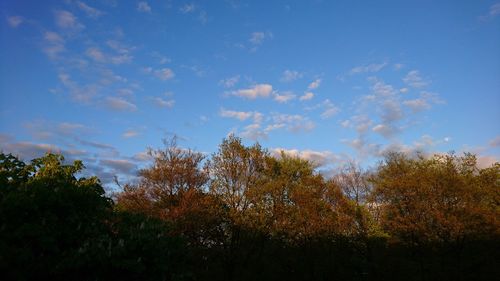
(245, 214)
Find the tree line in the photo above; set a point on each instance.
(244, 214)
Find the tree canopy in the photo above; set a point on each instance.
(245, 214)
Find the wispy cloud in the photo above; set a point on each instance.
(122, 54)
(164, 74)
(306, 96)
(284, 97)
(161, 102)
(187, 8)
(318, 158)
(130, 134)
(143, 7)
(15, 21)
(257, 91)
(240, 115)
(492, 12)
(368, 68)
(424, 102)
(495, 142)
(257, 38)
(120, 165)
(329, 109)
(96, 54)
(191, 8)
(89, 11)
(53, 44)
(230, 82)
(67, 21)
(120, 104)
(414, 79)
(314, 84)
(290, 75)
(294, 122)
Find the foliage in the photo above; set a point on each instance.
(243, 214)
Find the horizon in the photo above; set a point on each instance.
(103, 80)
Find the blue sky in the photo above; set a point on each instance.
(325, 80)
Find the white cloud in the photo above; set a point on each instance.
(327, 107)
(417, 105)
(120, 104)
(368, 68)
(121, 59)
(96, 54)
(161, 58)
(68, 128)
(306, 96)
(67, 20)
(284, 98)
(90, 11)
(161, 102)
(293, 122)
(398, 66)
(130, 134)
(230, 82)
(254, 132)
(258, 117)
(319, 158)
(120, 165)
(290, 75)
(273, 127)
(187, 8)
(143, 7)
(53, 37)
(329, 112)
(330, 109)
(423, 102)
(493, 12)
(15, 21)
(240, 115)
(414, 79)
(495, 142)
(385, 130)
(142, 156)
(203, 17)
(257, 91)
(257, 38)
(314, 84)
(345, 123)
(54, 44)
(164, 74)
(382, 89)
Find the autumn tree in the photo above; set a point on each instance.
(174, 172)
(295, 201)
(235, 170)
(172, 189)
(442, 198)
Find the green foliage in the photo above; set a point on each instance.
(54, 225)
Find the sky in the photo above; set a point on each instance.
(328, 81)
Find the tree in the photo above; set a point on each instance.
(47, 215)
(234, 171)
(172, 189)
(437, 199)
(353, 181)
(174, 172)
